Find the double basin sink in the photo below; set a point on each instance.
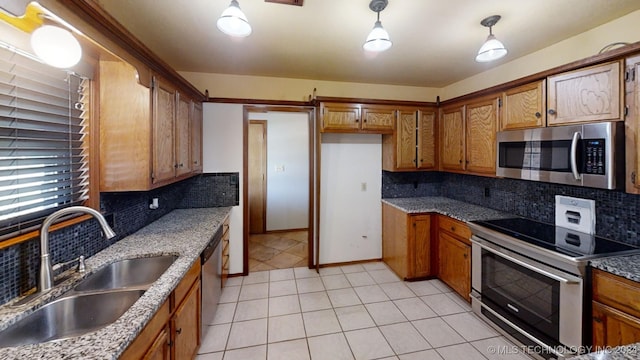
(97, 301)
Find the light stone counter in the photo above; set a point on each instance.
(182, 232)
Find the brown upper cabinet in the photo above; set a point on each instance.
(451, 138)
(632, 125)
(468, 136)
(196, 138)
(357, 118)
(413, 145)
(145, 134)
(524, 106)
(589, 94)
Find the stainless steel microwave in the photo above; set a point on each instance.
(590, 155)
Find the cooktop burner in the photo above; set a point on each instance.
(565, 241)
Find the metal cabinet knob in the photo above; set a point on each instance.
(551, 112)
(538, 115)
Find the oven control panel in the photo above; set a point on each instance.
(594, 156)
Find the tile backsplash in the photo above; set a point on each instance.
(616, 211)
(126, 212)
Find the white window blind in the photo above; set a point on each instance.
(43, 153)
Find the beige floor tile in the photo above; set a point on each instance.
(354, 317)
(233, 281)
(442, 304)
(215, 338)
(224, 313)
(314, 301)
(321, 322)
(308, 285)
(210, 356)
(437, 332)
(250, 353)
(360, 279)
(385, 313)
(247, 333)
(288, 350)
(252, 309)
(460, 351)
(397, 290)
(422, 355)
(284, 305)
(414, 308)
(280, 288)
(331, 270)
(332, 282)
(261, 253)
(489, 348)
(302, 272)
(371, 294)
(374, 265)
(286, 327)
(404, 338)
(284, 260)
(300, 250)
(229, 294)
(300, 236)
(384, 276)
(422, 288)
(352, 268)
(257, 277)
(281, 274)
(368, 344)
(343, 297)
(302, 263)
(470, 326)
(329, 347)
(254, 291)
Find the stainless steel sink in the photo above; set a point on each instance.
(131, 273)
(70, 316)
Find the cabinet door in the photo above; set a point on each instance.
(395, 240)
(524, 107)
(420, 245)
(186, 325)
(160, 348)
(481, 122)
(612, 327)
(589, 94)
(427, 135)
(196, 138)
(183, 134)
(632, 125)
(452, 138)
(340, 117)
(378, 119)
(406, 140)
(454, 264)
(164, 113)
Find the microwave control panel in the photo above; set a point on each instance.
(594, 156)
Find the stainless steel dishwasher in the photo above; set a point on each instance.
(211, 279)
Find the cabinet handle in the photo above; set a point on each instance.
(179, 331)
(414, 161)
(538, 115)
(597, 319)
(365, 120)
(453, 229)
(465, 255)
(175, 166)
(460, 161)
(169, 343)
(551, 112)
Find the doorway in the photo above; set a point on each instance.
(278, 187)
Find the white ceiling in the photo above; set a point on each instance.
(434, 41)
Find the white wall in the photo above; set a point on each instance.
(222, 152)
(350, 218)
(287, 149)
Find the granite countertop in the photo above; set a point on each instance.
(441, 205)
(625, 266)
(182, 232)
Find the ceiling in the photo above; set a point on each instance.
(434, 41)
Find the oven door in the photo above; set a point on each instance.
(539, 301)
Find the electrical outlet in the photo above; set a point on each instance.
(279, 168)
(487, 192)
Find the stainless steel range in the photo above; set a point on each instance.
(529, 280)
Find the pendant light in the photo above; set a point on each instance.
(233, 21)
(378, 39)
(492, 49)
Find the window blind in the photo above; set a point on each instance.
(43, 154)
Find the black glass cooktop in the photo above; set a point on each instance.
(565, 241)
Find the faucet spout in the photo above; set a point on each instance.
(45, 280)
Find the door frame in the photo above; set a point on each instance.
(311, 233)
(263, 123)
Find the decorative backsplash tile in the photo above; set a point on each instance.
(127, 212)
(616, 211)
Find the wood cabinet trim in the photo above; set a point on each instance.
(616, 291)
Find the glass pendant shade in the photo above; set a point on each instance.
(378, 39)
(491, 50)
(56, 46)
(233, 21)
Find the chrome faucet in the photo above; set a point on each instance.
(46, 272)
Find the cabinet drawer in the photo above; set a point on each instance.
(456, 227)
(183, 287)
(617, 292)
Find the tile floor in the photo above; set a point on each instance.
(278, 250)
(351, 312)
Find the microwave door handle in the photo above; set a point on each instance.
(574, 155)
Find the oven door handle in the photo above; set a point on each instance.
(574, 155)
(525, 264)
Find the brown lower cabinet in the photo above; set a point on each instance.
(616, 310)
(406, 243)
(174, 331)
(417, 246)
